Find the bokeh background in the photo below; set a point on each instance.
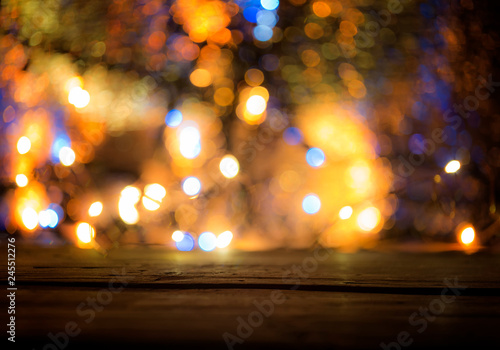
(254, 125)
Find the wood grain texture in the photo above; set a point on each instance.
(185, 300)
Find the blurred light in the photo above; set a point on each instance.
(53, 218)
(263, 33)
(85, 232)
(44, 218)
(191, 186)
(256, 105)
(315, 157)
(467, 236)
(173, 118)
(311, 204)
(131, 194)
(23, 145)
(72, 83)
(224, 239)
(153, 196)
(186, 244)
(67, 156)
(128, 212)
(267, 18)
(207, 241)
(61, 140)
(368, 219)
(21, 180)
(95, 209)
(250, 14)
(292, 136)
(345, 213)
(201, 77)
(452, 167)
(190, 146)
(30, 218)
(178, 236)
(150, 204)
(78, 97)
(270, 4)
(229, 166)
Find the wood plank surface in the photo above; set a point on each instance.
(183, 300)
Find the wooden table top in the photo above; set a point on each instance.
(151, 297)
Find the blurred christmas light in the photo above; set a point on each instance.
(44, 218)
(190, 146)
(315, 157)
(270, 4)
(53, 218)
(452, 167)
(129, 197)
(85, 232)
(73, 83)
(23, 145)
(153, 196)
(224, 239)
(67, 156)
(48, 218)
(345, 213)
(292, 136)
(256, 105)
(229, 166)
(95, 209)
(30, 218)
(191, 186)
(467, 235)
(368, 219)
(78, 97)
(173, 118)
(186, 244)
(177, 236)
(207, 241)
(21, 180)
(131, 194)
(311, 204)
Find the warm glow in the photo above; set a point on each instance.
(153, 196)
(224, 239)
(30, 218)
(191, 186)
(95, 209)
(467, 236)
(178, 236)
(229, 166)
(452, 167)
(78, 97)
(131, 194)
(129, 197)
(128, 212)
(190, 145)
(72, 83)
(368, 219)
(256, 105)
(345, 213)
(85, 232)
(67, 156)
(21, 180)
(201, 77)
(23, 145)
